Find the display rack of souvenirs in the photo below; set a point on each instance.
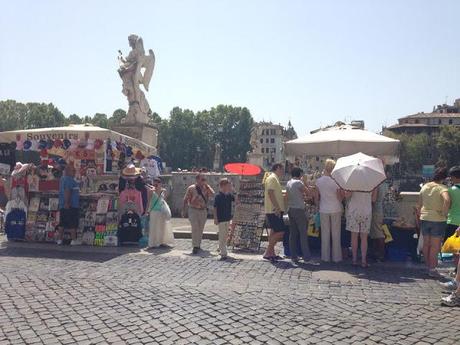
(249, 217)
(15, 219)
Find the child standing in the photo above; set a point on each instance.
(223, 214)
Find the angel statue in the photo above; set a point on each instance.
(136, 69)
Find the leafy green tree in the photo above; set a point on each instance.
(12, 115)
(415, 150)
(100, 120)
(115, 119)
(73, 119)
(41, 115)
(231, 128)
(154, 118)
(181, 140)
(448, 145)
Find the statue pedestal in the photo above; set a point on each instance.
(256, 159)
(145, 133)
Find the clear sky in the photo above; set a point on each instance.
(313, 62)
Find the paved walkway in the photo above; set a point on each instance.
(84, 295)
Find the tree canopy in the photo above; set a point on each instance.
(186, 139)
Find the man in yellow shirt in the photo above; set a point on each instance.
(274, 210)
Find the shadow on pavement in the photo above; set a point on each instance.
(53, 251)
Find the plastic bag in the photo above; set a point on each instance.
(166, 210)
(451, 245)
(387, 233)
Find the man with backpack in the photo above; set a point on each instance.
(196, 199)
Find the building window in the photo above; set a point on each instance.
(263, 131)
(273, 131)
(416, 121)
(261, 140)
(266, 140)
(272, 140)
(274, 150)
(439, 121)
(450, 121)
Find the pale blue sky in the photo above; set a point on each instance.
(313, 62)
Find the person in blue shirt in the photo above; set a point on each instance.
(223, 214)
(69, 202)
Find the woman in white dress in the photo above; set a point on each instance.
(160, 230)
(359, 216)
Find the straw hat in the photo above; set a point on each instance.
(131, 171)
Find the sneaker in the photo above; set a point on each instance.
(450, 286)
(75, 243)
(195, 250)
(59, 242)
(453, 300)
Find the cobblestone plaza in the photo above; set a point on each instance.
(72, 295)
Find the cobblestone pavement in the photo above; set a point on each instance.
(67, 296)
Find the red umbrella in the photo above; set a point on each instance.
(243, 169)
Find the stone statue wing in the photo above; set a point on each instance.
(149, 65)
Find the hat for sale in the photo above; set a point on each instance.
(42, 144)
(131, 171)
(27, 145)
(58, 143)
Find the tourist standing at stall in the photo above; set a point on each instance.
(453, 218)
(329, 197)
(160, 230)
(69, 200)
(359, 216)
(298, 218)
(434, 202)
(274, 210)
(223, 214)
(376, 234)
(196, 199)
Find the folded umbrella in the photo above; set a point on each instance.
(359, 172)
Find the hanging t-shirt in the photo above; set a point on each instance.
(151, 167)
(68, 182)
(15, 203)
(15, 224)
(134, 196)
(7, 154)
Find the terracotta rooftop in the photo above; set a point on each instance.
(431, 115)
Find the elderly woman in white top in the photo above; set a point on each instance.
(329, 196)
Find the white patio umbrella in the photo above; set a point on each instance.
(343, 140)
(359, 172)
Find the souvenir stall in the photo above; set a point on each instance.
(32, 163)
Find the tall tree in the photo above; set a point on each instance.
(115, 119)
(100, 120)
(41, 115)
(448, 145)
(12, 115)
(73, 119)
